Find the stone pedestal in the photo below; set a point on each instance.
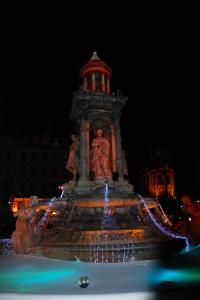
(83, 186)
(100, 182)
(124, 186)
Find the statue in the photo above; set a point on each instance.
(27, 234)
(100, 163)
(73, 159)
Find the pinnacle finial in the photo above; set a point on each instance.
(95, 56)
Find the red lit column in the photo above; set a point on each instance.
(119, 150)
(93, 82)
(83, 182)
(87, 129)
(103, 86)
(114, 166)
(108, 86)
(83, 150)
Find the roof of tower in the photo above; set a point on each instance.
(95, 64)
(94, 56)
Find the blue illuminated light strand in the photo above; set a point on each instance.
(6, 248)
(107, 226)
(44, 221)
(164, 229)
(62, 194)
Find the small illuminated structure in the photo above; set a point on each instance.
(160, 181)
(17, 203)
(96, 75)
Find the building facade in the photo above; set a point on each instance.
(31, 166)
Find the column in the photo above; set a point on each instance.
(88, 146)
(93, 82)
(83, 150)
(108, 86)
(119, 150)
(103, 86)
(114, 165)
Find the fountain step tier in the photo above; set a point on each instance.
(93, 200)
(86, 186)
(101, 238)
(96, 200)
(110, 253)
(90, 237)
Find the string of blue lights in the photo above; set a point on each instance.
(163, 229)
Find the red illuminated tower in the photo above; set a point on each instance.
(95, 108)
(96, 75)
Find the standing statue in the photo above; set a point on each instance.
(73, 159)
(100, 162)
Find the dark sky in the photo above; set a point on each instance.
(154, 62)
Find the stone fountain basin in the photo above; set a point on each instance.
(26, 277)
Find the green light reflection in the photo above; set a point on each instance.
(177, 275)
(23, 280)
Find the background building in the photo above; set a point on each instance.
(32, 166)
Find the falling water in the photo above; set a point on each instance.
(107, 252)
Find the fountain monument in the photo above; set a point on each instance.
(98, 216)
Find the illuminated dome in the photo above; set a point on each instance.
(96, 75)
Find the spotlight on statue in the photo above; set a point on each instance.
(84, 281)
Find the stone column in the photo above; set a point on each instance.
(119, 150)
(93, 82)
(103, 86)
(83, 150)
(114, 166)
(108, 86)
(88, 146)
(83, 182)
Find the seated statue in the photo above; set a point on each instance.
(100, 152)
(73, 159)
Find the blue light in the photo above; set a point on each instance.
(164, 229)
(44, 221)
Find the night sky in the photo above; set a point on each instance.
(154, 62)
